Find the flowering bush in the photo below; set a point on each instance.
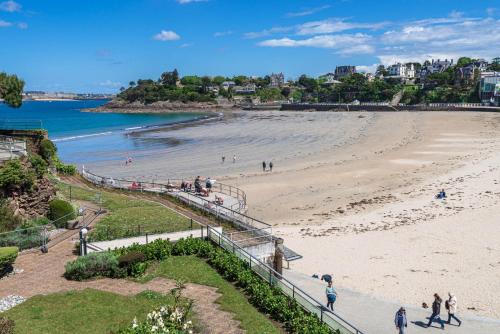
(171, 319)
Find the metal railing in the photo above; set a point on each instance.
(28, 124)
(11, 147)
(306, 301)
(172, 184)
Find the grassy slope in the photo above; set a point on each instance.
(88, 311)
(195, 270)
(127, 214)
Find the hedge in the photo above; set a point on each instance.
(60, 212)
(266, 298)
(103, 264)
(7, 257)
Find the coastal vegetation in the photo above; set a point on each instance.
(199, 261)
(7, 257)
(128, 216)
(11, 89)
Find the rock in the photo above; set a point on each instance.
(10, 301)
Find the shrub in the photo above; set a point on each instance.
(60, 212)
(13, 176)
(93, 265)
(134, 263)
(8, 221)
(7, 257)
(22, 238)
(47, 150)
(6, 326)
(64, 168)
(154, 251)
(38, 164)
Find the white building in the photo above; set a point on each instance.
(404, 71)
(228, 84)
(277, 80)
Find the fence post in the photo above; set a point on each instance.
(146, 238)
(201, 232)
(270, 276)
(321, 313)
(293, 291)
(70, 197)
(191, 223)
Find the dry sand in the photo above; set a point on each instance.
(354, 194)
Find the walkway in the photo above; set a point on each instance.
(376, 316)
(43, 274)
(173, 236)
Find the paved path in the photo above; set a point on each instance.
(43, 274)
(374, 316)
(173, 236)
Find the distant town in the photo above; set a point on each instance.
(57, 96)
(435, 81)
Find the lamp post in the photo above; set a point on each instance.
(83, 241)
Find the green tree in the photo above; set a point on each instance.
(131, 83)
(464, 61)
(169, 78)
(11, 89)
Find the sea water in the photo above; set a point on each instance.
(87, 136)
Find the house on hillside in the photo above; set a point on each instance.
(249, 88)
(466, 73)
(344, 71)
(435, 66)
(402, 71)
(277, 80)
(329, 79)
(228, 84)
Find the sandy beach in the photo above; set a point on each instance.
(354, 194)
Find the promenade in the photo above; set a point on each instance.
(376, 316)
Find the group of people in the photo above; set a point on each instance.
(451, 306)
(204, 191)
(223, 159)
(264, 166)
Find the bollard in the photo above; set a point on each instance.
(278, 256)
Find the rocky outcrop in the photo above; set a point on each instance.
(161, 107)
(35, 202)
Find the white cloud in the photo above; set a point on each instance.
(110, 84)
(338, 42)
(491, 11)
(10, 6)
(22, 25)
(4, 24)
(334, 25)
(367, 68)
(183, 2)
(166, 35)
(186, 45)
(223, 33)
(309, 11)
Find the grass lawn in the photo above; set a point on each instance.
(195, 270)
(87, 311)
(128, 217)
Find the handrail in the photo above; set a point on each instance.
(218, 210)
(324, 312)
(223, 188)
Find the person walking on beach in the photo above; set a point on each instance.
(223, 158)
(400, 320)
(331, 296)
(451, 306)
(436, 311)
(263, 166)
(234, 159)
(270, 166)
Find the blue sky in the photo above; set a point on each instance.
(98, 46)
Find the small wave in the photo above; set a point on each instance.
(135, 128)
(82, 136)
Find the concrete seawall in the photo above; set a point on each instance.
(349, 107)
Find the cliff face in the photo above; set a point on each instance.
(35, 202)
